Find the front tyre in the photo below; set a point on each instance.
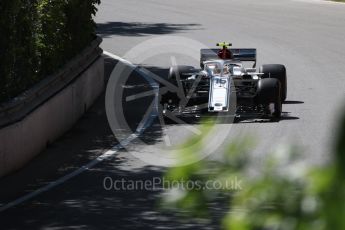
(269, 96)
(168, 99)
(276, 71)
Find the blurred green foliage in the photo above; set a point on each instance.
(38, 36)
(287, 194)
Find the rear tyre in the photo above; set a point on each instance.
(269, 95)
(276, 71)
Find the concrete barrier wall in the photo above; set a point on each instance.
(23, 140)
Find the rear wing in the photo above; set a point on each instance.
(239, 54)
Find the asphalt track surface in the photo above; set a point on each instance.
(306, 36)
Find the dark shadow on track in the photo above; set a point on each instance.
(90, 201)
(293, 102)
(253, 119)
(289, 118)
(139, 29)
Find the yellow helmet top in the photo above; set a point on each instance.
(224, 44)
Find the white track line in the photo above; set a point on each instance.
(144, 124)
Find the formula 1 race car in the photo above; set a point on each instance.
(224, 82)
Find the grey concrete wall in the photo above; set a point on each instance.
(23, 140)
